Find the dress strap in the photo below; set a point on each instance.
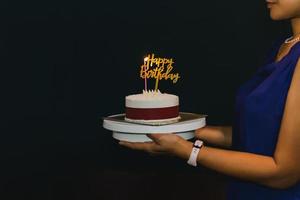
(295, 52)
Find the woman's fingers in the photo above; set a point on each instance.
(155, 137)
(198, 133)
(150, 147)
(160, 143)
(134, 145)
(144, 146)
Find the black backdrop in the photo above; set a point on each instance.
(67, 64)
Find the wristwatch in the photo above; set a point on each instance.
(193, 156)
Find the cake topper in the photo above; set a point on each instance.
(158, 69)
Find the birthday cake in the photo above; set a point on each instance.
(152, 107)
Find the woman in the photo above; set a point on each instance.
(265, 138)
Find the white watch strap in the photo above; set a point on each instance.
(193, 156)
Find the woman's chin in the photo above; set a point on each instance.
(276, 17)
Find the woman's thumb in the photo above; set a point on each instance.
(154, 137)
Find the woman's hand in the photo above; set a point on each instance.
(163, 144)
(217, 135)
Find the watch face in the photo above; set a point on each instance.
(198, 143)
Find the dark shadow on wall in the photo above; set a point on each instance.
(67, 64)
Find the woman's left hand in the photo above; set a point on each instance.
(162, 144)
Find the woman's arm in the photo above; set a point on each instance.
(215, 135)
(268, 171)
(280, 171)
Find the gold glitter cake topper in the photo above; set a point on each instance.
(158, 69)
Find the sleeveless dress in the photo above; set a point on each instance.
(259, 107)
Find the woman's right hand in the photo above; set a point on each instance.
(215, 135)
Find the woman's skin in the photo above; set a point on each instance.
(216, 135)
(281, 170)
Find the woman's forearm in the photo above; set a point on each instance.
(242, 165)
(251, 167)
(216, 135)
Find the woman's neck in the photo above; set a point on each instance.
(295, 23)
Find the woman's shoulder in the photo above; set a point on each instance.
(296, 51)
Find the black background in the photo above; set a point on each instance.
(67, 64)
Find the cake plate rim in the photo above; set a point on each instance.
(196, 121)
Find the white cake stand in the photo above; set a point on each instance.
(133, 132)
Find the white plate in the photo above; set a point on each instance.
(143, 137)
(133, 132)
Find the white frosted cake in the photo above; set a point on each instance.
(152, 107)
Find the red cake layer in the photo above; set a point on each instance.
(152, 113)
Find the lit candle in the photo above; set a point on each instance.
(145, 61)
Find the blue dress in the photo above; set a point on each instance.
(259, 108)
